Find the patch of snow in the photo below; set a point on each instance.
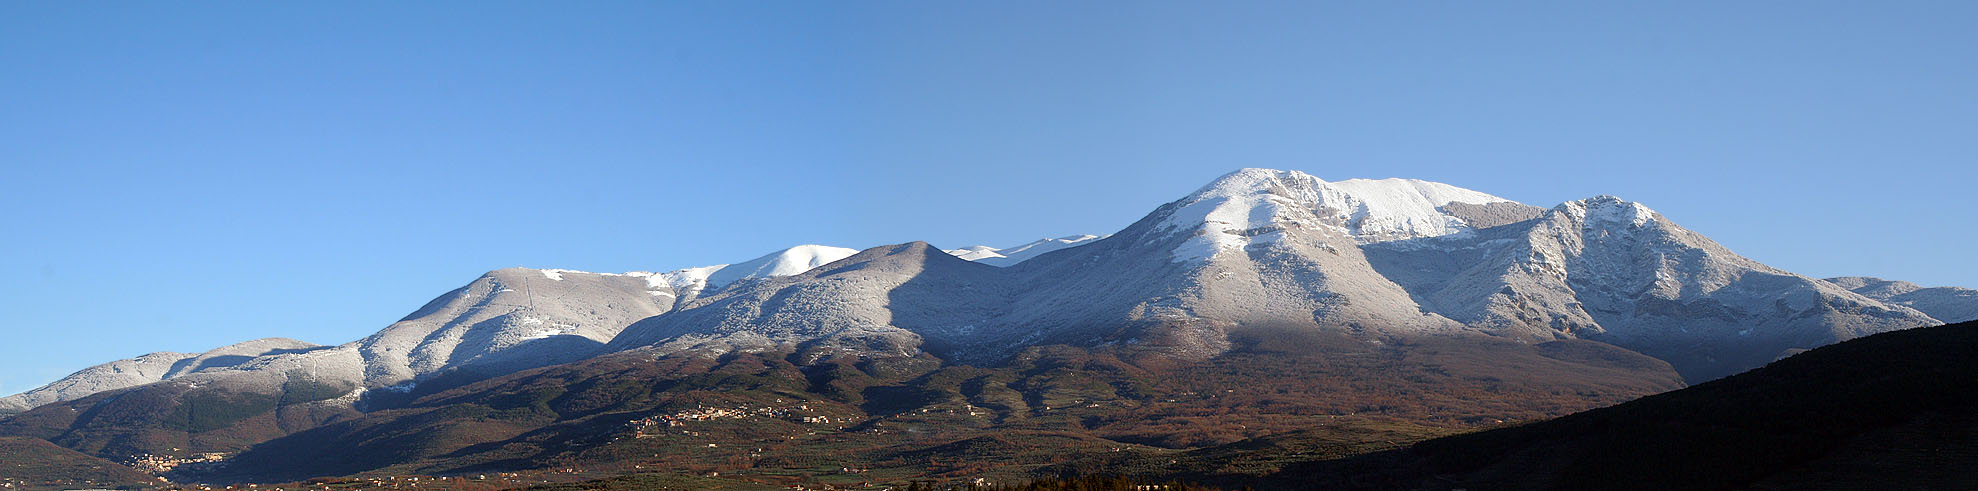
(975, 253)
(682, 278)
(795, 260)
(353, 396)
(1225, 213)
(1608, 210)
(1201, 248)
(1041, 246)
(557, 274)
(1016, 254)
(1389, 209)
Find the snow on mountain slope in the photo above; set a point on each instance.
(1946, 303)
(975, 253)
(881, 300)
(686, 283)
(1012, 255)
(1227, 214)
(1379, 258)
(506, 320)
(1394, 209)
(146, 369)
(782, 263)
(1257, 247)
(1125, 289)
(1615, 271)
(516, 319)
(680, 280)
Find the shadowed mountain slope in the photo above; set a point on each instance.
(33, 464)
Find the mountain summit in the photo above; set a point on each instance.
(1256, 205)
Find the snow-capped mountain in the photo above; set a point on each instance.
(884, 300)
(1256, 206)
(518, 318)
(1264, 247)
(149, 368)
(783, 263)
(1616, 271)
(506, 320)
(1382, 260)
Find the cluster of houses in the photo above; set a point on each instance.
(967, 408)
(801, 413)
(479, 481)
(160, 464)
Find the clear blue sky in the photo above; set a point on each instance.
(180, 176)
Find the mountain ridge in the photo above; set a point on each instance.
(1261, 246)
(1946, 303)
(1399, 225)
(1260, 265)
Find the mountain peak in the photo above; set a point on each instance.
(1243, 207)
(1015, 254)
(1608, 209)
(780, 263)
(1251, 180)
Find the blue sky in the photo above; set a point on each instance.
(180, 176)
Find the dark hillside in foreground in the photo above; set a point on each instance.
(1897, 410)
(33, 463)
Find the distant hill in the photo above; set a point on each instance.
(1946, 303)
